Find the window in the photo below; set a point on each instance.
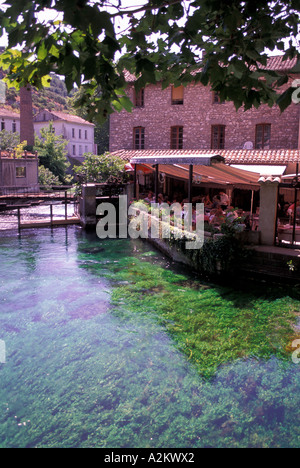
(140, 98)
(74, 150)
(216, 98)
(2, 125)
(80, 150)
(73, 132)
(176, 137)
(20, 172)
(86, 134)
(86, 149)
(139, 138)
(218, 137)
(14, 127)
(177, 95)
(263, 136)
(79, 134)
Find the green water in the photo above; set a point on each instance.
(109, 345)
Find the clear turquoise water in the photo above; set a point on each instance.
(83, 372)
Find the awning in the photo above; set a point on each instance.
(263, 170)
(145, 169)
(218, 176)
(171, 157)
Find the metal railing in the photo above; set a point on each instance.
(47, 214)
(19, 191)
(37, 191)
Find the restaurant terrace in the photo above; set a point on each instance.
(265, 183)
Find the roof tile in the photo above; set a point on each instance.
(247, 157)
(8, 113)
(274, 63)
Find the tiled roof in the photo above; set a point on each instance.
(247, 157)
(129, 77)
(263, 157)
(8, 113)
(274, 63)
(127, 155)
(68, 118)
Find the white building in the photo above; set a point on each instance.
(9, 121)
(79, 133)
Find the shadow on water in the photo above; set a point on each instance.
(103, 339)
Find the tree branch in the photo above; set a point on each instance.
(145, 8)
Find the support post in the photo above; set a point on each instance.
(135, 182)
(268, 210)
(88, 206)
(51, 215)
(19, 220)
(190, 192)
(295, 207)
(156, 182)
(66, 205)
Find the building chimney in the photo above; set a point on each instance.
(26, 116)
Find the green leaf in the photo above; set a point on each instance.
(42, 51)
(296, 68)
(46, 81)
(285, 99)
(126, 103)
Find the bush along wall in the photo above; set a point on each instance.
(220, 256)
(222, 253)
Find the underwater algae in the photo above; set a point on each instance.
(89, 362)
(212, 325)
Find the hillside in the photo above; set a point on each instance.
(55, 97)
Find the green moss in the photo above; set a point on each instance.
(212, 326)
(89, 362)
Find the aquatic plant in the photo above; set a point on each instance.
(211, 325)
(88, 366)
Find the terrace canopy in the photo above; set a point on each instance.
(196, 167)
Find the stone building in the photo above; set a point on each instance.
(18, 174)
(192, 117)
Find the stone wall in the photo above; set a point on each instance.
(25, 180)
(197, 115)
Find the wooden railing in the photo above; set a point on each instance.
(13, 155)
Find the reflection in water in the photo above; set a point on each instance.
(94, 359)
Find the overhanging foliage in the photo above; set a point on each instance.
(162, 40)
